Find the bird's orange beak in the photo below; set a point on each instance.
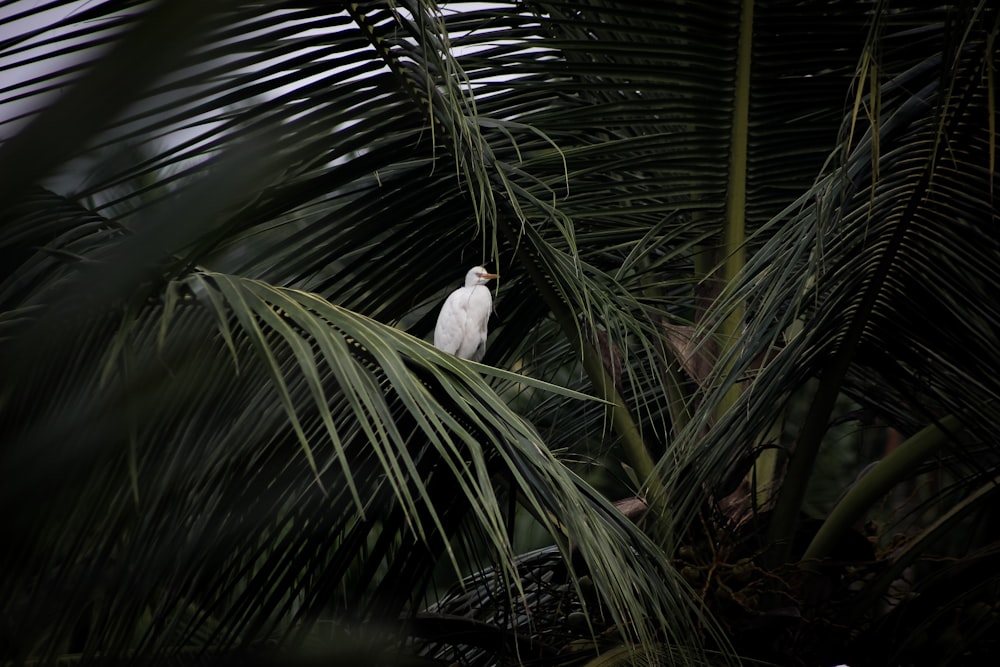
(489, 276)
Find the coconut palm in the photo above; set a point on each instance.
(723, 230)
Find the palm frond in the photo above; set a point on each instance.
(220, 314)
(298, 455)
(866, 279)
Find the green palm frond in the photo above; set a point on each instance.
(299, 456)
(881, 268)
(212, 330)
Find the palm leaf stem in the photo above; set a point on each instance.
(736, 192)
(891, 470)
(734, 243)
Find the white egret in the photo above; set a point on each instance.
(461, 324)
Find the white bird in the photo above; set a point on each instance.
(461, 324)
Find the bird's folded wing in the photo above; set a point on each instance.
(450, 329)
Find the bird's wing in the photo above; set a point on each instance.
(451, 323)
(477, 314)
(480, 351)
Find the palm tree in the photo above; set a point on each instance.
(223, 245)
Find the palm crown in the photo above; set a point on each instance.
(718, 224)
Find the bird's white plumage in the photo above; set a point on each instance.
(461, 324)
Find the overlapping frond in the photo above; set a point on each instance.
(878, 284)
(308, 419)
(271, 202)
(297, 457)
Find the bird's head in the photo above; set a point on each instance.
(477, 275)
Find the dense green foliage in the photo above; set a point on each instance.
(747, 255)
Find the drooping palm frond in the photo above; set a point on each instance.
(256, 457)
(879, 278)
(300, 414)
(585, 149)
(567, 96)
